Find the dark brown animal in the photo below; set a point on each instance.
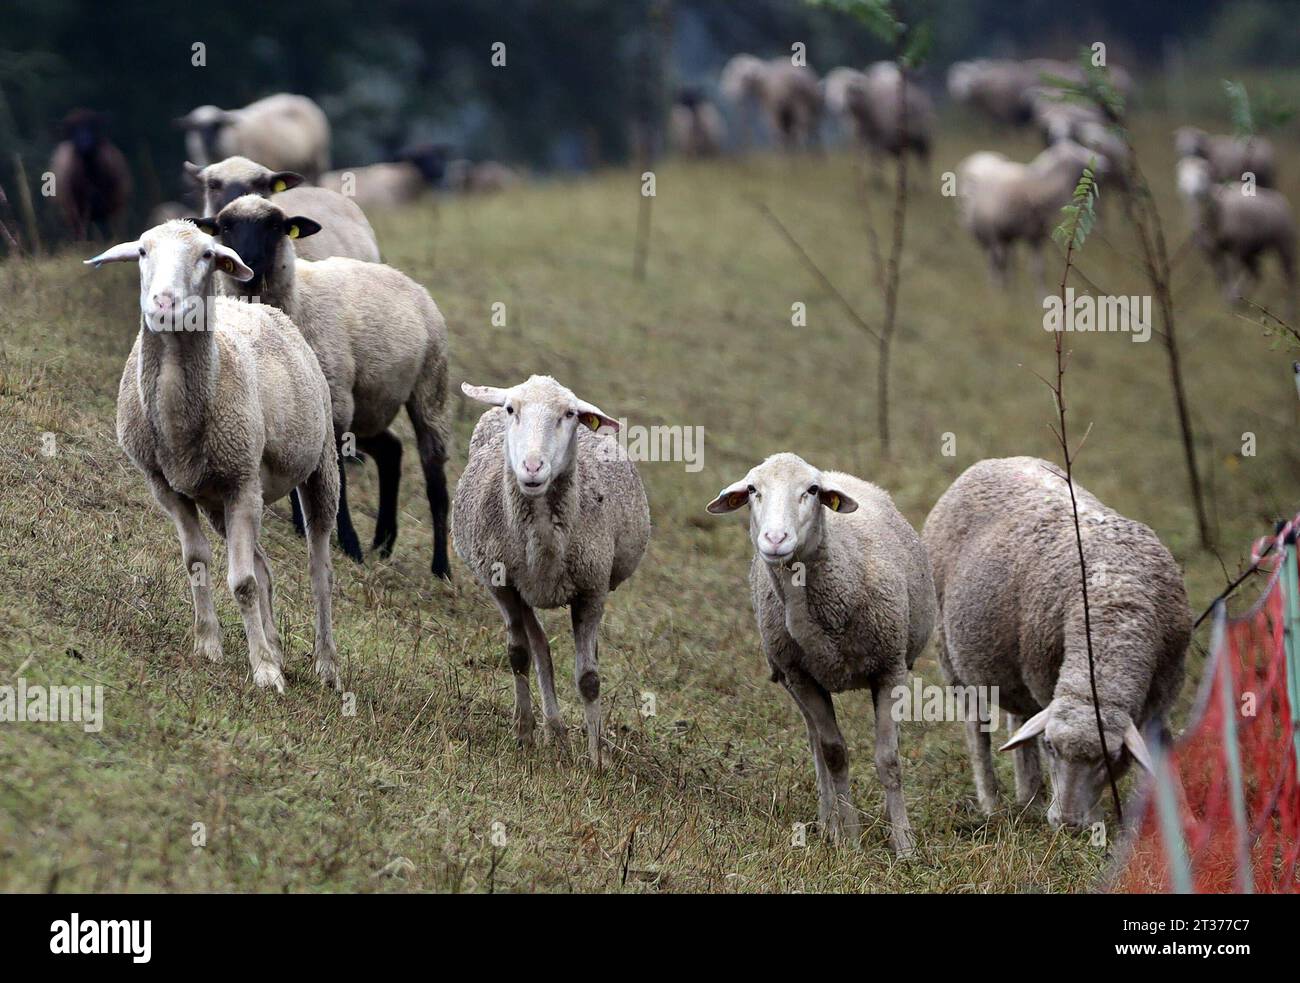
(92, 182)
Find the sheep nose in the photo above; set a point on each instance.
(776, 538)
(164, 300)
(532, 464)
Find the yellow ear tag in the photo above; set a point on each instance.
(293, 232)
(835, 503)
(591, 420)
(279, 186)
(227, 265)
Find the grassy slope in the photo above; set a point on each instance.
(297, 796)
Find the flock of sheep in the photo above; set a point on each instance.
(274, 344)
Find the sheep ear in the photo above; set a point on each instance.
(300, 227)
(731, 498)
(595, 419)
(1030, 729)
(208, 225)
(485, 394)
(837, 501)
(284, 180)
(123, 252)
(1138, 747)
(229, 263)
(193, 171)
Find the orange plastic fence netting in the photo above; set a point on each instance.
(1218, 852)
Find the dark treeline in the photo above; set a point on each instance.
(391, 72)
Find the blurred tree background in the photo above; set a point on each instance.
(390, 72)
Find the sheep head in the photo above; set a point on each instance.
(542, 421)
(177, 261)
(1068, 730)
(234, 177)
(788, 500)
(257, 230)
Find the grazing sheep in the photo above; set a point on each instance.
(92, 181)
(1109, 146)
(881, 120)
(282, 132)
(1234, 229)
(548, 514)
(1006, 569)
(1057, 119)
(224, 408)
(788, 95)
(1229, 157)
(1002, 202)
(844, 95)
(381, 341)
(389, 185)
(483, 177)
(345, 230)
(843, 597)
(998, 89)
(695, 126)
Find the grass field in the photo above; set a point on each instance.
(296, 795)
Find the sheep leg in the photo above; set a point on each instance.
(889, 768)
(1037, 268)
(1029, 770)
(825, 786)
(348, 541)
(243, 523)
(266, 595)
(555, 728)
(386, 449)
(586, 613)
(981, 759)
(425, 411)
(844, 825)
(511, 606)
(196, 554)
(320, 499)
(298, 525)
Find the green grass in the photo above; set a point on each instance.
(295, 795)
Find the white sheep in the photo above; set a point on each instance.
(1006, 569)
(416, 170)
(549, 513)
(345, 230)
(1002, 202)
(224, 408)
(282, 132)
(787, 94)
(843, 597)
(1235, 224)
(381, 341)
(1230, 157)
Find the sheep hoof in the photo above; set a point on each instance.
(524, 732)
(383, 543)
(328, 673)
(268, 674)
(557, 733)
(442, 568)
(208, 648)
(904, 843)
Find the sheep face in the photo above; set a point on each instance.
(84, 129)
(202, 128)
(1068, 729)
(542, 420)
(256, 229)
(787, 500)
(177, 261)
(223, 182)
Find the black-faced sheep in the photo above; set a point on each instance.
(92, 182)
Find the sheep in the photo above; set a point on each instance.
(1006, 569)
(695, 126)
(1058, 119)
(1229, 157)
(999, 89)
(345, 230)
(788, 94)
(223, 408)
(1234, 228)
(381, 341)
(92, 181)
(282, 132)
(1001, 201)
(843, 598)
(549, 513)
(389, 185)
(880, 122)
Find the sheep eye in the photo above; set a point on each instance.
(569, 414)
(814, 491)
(207, 254)
(752, 490)
(142, 252)
(510, 411)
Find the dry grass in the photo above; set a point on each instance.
(296, 795)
